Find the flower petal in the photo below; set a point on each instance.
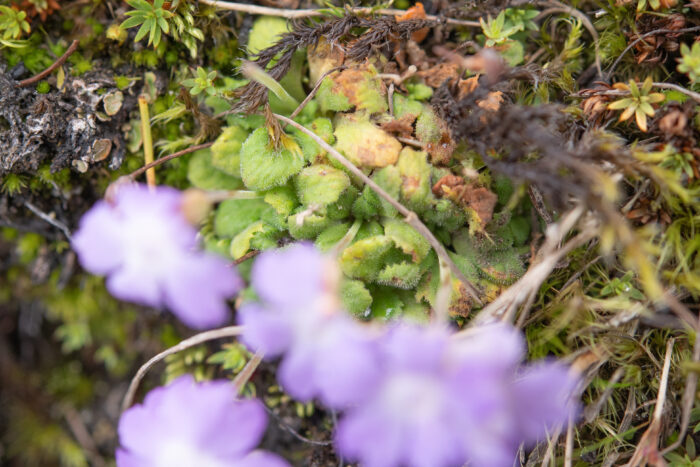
(292, 276)
(264, 330)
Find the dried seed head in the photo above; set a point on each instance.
(673, 123)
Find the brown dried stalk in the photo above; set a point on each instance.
(61, 60)
(167, 158)
(229, 331)
(410, 217)
(308, 13)
(647, 450)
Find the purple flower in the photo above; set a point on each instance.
(187, 423)
(448, 400)
(326, 354)
(143, 243)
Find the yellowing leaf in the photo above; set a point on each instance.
(364, 143)
(320, 184)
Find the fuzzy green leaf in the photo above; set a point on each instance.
(226, 150)
(320, 184)
(305, 226)
(202, 173)
(365, 258)
(262, 166)
(402, 275)
(415, 178)
(234, 215)
(364, 143)
(332, 235)
(355, 297)
(407, 239)
(240, 245)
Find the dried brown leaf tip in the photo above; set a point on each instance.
(479, 199)
(674, 122)
(415, 12)
(595, 103)
(402, 127)
(436, 75)
(42, 9)
(322, 58)
(655, 48)
(649, 210)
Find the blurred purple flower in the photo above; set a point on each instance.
(143, 243)
(189, 424)
(446, 401)
(326, 354)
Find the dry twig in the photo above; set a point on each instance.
(229, 331)
(506, 305)
(648, 447)
(308, 13)
(61, 60)
(167, 158)
(641, 38)
(313, 92)
(410, 217)
(247, 372)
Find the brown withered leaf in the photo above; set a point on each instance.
(402, 126)
(415, 12)
(323, 57)
(673, 123)
(441, 151)
(492, 101)
(461, 304)
(467, 86)
(438, 74)
(353, 83)
(480, 199)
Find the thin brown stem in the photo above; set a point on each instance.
(229, 331)
(644, 36)
(313, 92)
(410, 217)
(247, 372)
(562, 8)
(246, 257)
(622, 93)
(693, 95)
(307, 13)
(691, 384)
(167, 158)
(647, 451)
(61, 60)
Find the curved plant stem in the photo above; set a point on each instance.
(648, 446)
(307, 13)
(691, 384)
(61, 60)
(410, 217)
(557, 6)
(621, 93)
(47, 218)
(693, 95)
(313, 92)
(504, 307)
(641, 38)
(229, 331)
(167, 158)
